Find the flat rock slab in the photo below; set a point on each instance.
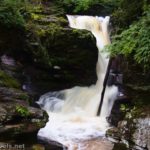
(97, 144)
(92, 144)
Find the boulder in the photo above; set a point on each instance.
(134, 133)
(16, 115)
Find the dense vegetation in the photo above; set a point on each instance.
(134, 41)
(35, 31)
(12, 13)
(130, 23)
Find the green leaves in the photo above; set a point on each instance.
(22, 111)
(11, 13)
(135, 41)
(8, 81)
(76, 6)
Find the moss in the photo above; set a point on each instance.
(41, 32)
(37, 9)
(40, 124)
(18, 130)
(24, 97)
(62, 21)
(38, 147)
(139, 111)
(22, 111)
(36, 16)
(82, 33)
(49, 38)
(119, 146)
(8, 81)
(54, 29)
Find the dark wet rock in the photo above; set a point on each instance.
(7, 60)
(16, 115)
(10, 94)
(10, 65)
(116, 113)
(113, 134)
(15, 124)
(120, 146)
(9, 111)
(43, 45)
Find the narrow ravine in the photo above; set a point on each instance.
(72, 112)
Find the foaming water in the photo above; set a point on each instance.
(72, 112)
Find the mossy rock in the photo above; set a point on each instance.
(8, 81)
(120, 146)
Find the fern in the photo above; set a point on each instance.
(134, 41)
(11, 13)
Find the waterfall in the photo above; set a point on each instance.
(72, 112)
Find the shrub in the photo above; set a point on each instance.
(135, 41)
(8, 81)
(12, 13)
(76, 6)
(22, 111)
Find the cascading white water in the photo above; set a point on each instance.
(72, 112)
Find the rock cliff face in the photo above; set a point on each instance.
(16, 114)
(43, 56)
(134, 132)
(141, 136)
(47, 43)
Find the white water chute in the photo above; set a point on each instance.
(72, 112)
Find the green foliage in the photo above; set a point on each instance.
(45, 37)
(82, 34)
(124, 108)
(22, 111)
(12, 13)
(84, 5)
(127, 110)
(54, 29)
(134, 42)
(8, 81)
(40, 124)
(126, 12)
(134, 112)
